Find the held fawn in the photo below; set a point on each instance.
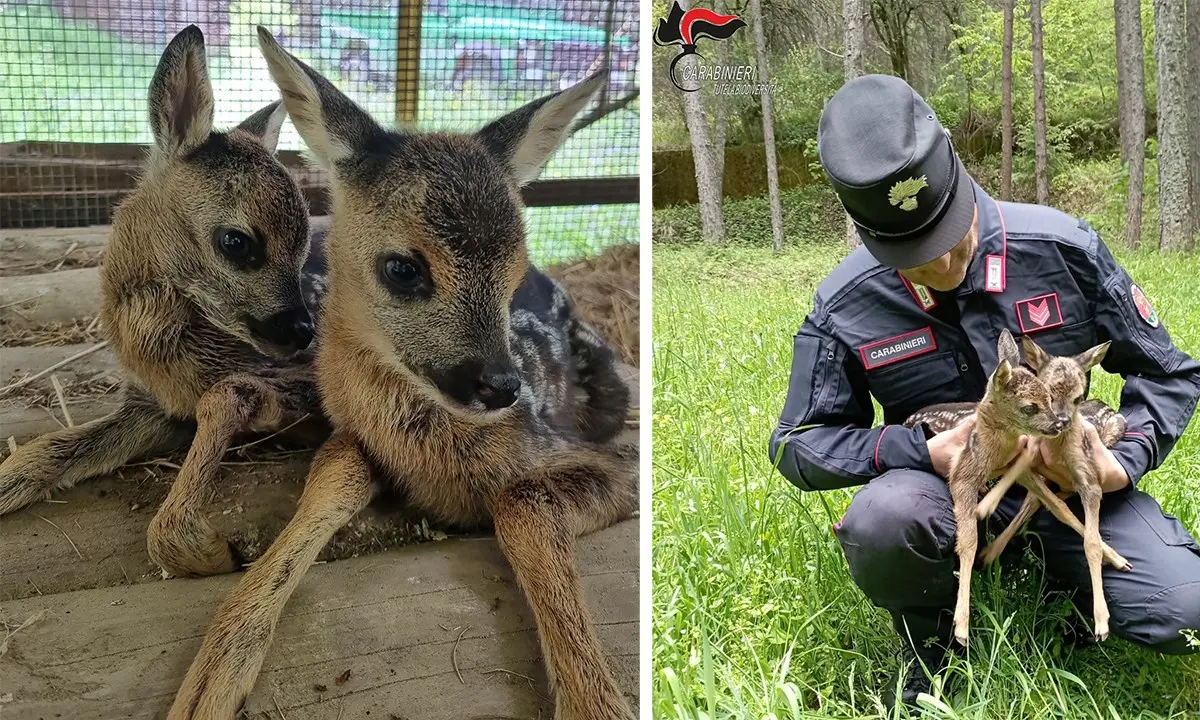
(454, 373)
(207, 284)
(1045, 407)
(1110, 426)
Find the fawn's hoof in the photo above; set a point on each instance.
(983, 511)
(191, 549)
(22, 483)
(1100, 628)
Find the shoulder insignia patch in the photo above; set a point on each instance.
(1144, 308)
(904, 193)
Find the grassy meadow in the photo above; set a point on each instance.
(754, 611)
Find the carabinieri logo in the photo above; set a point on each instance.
(685, 28)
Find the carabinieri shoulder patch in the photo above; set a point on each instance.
(904, 193)
(1144, 308)
(894, 349)
(1039, 313)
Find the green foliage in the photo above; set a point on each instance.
(810, 214)
(1079, 47)
(1093, 190)
(1080, 69)
(754, 612)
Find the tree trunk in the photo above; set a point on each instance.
(764, 79)
(890, 19)
(720, 103)
(708, 179)
(1041, 157)
(853, 14)
(1006, 112)
(1174, 208)
(1193, 85)
(1131, 92)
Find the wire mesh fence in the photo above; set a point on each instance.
(73, 118)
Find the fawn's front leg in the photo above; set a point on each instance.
(1036, 484)
(1028, 507)
(223, 672)
(536, 526)
(60, 459)
(991, 501)
(179, 538)
(965, 491)
(1089, 493)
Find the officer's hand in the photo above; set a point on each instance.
(1112, 473)
(944, 446)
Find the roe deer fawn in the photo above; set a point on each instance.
(1110, 426)
(1019, 403)
(454, 372)
(207, 285)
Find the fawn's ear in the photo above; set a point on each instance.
(1006, 348)
(526, 137)
(266, 124)
(181, 98)
(1092, 357)
(332, 126)
(1002, 374)
(1034, 355)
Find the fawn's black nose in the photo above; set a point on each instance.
(290, 329)
(1061, 423)
(497, 387)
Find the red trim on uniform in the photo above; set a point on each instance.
(1048, 325)
(862, 351)
(1134, 432)
(917, 298)
(877, 444)
(1003, 255)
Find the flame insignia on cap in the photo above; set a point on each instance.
(904, 193)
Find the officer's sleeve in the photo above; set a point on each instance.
(824, 439)
(1162, 383)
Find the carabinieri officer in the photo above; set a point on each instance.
(912, 318)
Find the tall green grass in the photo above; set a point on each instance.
(754, 612)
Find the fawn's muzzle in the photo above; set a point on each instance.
(1060, 424)
(287, 331)
(491, 385)
(498, 389)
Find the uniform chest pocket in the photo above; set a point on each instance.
(908, 386)
(1067, 339)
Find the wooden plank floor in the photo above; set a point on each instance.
(393, 619)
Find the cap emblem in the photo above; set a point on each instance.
(904, 193)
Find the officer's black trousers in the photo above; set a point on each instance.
(898, 537)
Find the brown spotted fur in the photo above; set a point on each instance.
(1042, 404)
(184, 322)
(1110, 426)
(402, 367)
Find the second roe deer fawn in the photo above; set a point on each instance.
(454, 373)
(1043, 406)
(1110, 426)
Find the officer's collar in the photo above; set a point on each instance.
(989, 268)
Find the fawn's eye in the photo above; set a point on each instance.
(1030, 409)
(1078, 400)
(405, 276)
(240, 249)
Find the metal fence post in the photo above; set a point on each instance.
(408, 60)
